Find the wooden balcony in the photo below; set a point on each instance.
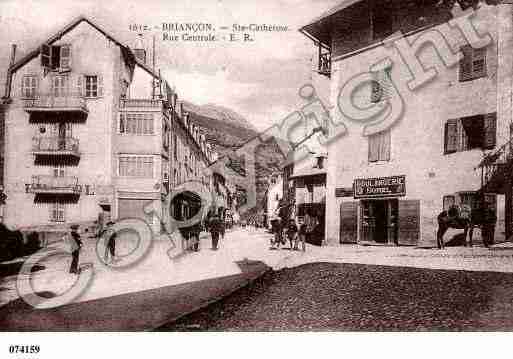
(55, 147)
(57, 103)
(45, 184)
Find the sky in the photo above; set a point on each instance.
(259, 79)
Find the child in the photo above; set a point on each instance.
(292, 234)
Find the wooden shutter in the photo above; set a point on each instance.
(490, 131)
(100, 86)
(23, 86)
(451, 136)
(466, 63)
(80, 85)
(409, 222)
(46, 55)
(65, 58)
(479, 62)
(348, 222)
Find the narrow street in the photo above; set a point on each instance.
(324, 288)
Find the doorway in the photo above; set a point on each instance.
(378, 221)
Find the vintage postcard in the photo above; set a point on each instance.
(258, 166)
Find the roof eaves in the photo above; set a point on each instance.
(59, 35)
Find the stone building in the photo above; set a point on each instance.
(91, 128)
(392, 179)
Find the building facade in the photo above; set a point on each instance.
(389, 185)
(90, 128)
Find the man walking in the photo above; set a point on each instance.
(214, 226)
(110, 243)
(76, 244)
(488, 227)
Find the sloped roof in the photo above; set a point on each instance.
(315, 29)
(29, 56)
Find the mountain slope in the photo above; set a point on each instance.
(226, 131)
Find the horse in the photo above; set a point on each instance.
(461, 218)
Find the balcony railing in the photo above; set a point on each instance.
(324, 61)
(56, 185)
(55, 146)
(140, 102)
(67, 102)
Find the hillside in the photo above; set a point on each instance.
(226, 131)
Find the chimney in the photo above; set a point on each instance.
(139, 51)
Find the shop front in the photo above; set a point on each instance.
(378, 214)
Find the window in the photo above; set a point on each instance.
(468, 133)
(379, 146)
(381, 84)
(136, 166)
(56, 57)
(92, 86)
(58, 172)
(29, 84)
(448, 201)
(136, 123)
(60, 85)
(473, 63)
(57, 212)
(469, 199)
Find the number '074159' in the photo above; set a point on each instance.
(24, 349)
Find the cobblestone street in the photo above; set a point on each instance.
(355, 297)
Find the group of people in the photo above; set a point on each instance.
(296, 230)
(214, 223)
(76, 244)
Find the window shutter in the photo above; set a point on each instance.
(100, 86)
(23, 86)
(479, 62)
(121, 123)
(490, 131)
(65, 58)
(409, 222)
(451, 136)
(46, 55)
(384, 150)
(373, 148)
(348, 222)
(466, 63)
(35, 80)
(80, 85)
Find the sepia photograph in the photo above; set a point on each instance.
(290, 166)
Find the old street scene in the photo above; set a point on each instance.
(348, 167)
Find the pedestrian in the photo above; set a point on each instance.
(292, 234)
(76, 244)
(310, 224)
(443, 224)
(110, 243)
(302, 235)
(222, 227)
(488, 227)
(214, 226)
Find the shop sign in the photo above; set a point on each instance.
(344, 192)
(380, 187)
